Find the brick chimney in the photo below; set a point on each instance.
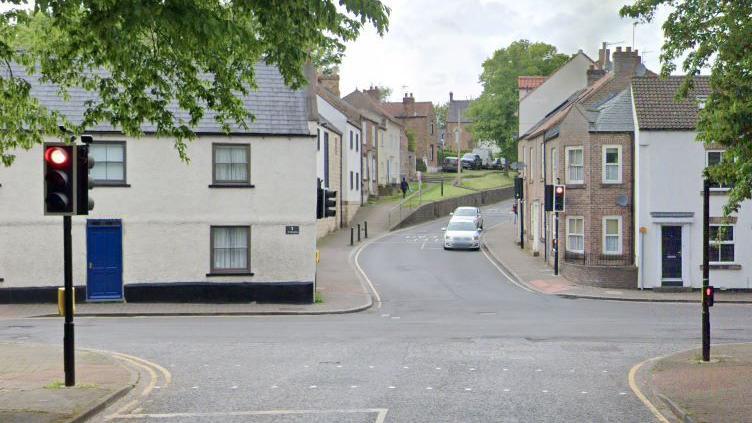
(374, 93)
(604, 58)
(330, 82)
(626, 62)
(594, 74)
(408, 104)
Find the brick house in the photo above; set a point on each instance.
(418, 117)
(526, 84)
(587, 144)
(457, 120)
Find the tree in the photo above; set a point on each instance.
(494, 113)
(384, 93)
(714, 34)
(441, 114)
(410, 140)
(141, 57)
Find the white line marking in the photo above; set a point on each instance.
(313, 386)
(428, 388)
(506, 390)
(392, 387)
(509, 278)
(380, 413)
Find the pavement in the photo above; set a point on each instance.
(339, 285)
(686, 389)
(32, 388)
(534, 274)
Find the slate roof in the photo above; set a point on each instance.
(278, 110)
(615, 115)
(397, 109)
(363, 101)
(352, 114)
(461, 106)
(657, 108)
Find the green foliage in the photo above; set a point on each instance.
(410, 140)
(494, 113)
(156, 54)
(420, 165)
(441, 114)
(714, 34)
(384, 93)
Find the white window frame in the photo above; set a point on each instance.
(707, 163)
(543, 160)
(554, 165)
(566, 158)
(620, 235)
(569, 233)
(619, 164)
(714, 241)
(107, 180)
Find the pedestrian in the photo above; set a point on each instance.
(404, 186)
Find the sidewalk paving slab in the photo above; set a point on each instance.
(695, 391)
(532, 272)
(338, 284)
(32, 388)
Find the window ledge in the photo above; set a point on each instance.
(724, 266)
(114, 185)
(612, 184)
(576, 185)
(217, 274)
(220, 185)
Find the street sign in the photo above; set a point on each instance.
(292, 230)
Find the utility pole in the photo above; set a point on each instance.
(705, 270)
(457, 138)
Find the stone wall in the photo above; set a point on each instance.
(601, 276)
(442, 208)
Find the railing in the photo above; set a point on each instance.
(598, 259)
(404, 208)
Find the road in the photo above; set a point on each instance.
(452, 341)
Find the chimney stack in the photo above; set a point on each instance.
(374, 93)
(330, 82)
(451, 96)
(604, 57)
(594, 73)
(626, 61)
(408, 104)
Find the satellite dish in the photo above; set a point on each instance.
(622, 200)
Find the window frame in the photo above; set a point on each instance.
(542, 160)
(357, 141)
(714, 242)
(213, 271)
(716, 186)
(568, 165)
(619, 164)
(351, 139)
(620, 234)
(554, 165)
(218, 183)
(569, 233)
(113, 182)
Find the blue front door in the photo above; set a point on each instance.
(104, 256)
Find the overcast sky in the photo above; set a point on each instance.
(434, 47)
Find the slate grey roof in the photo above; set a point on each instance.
(615, 115)
(278, 110)
(657, 108)
(454, 107)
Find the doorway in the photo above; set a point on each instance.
(671, 256)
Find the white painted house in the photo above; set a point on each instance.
(389, 152)
(668, 195)
(236, 224)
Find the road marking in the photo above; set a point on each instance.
(392, 387)
(429, 388)
(353, 386)
(545, 391)
(506, 390)
(380, 413)
(583, 392)
(505, 369)
(640, 395)
(509, 278)
(468, 389)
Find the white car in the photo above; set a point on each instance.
(461, 234)
(467, 214)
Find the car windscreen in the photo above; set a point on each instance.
(465, 212)
(461, 226)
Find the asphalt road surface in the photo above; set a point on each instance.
(453, 341)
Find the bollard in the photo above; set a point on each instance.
(365, 228)
(358, 232)
(352, 236)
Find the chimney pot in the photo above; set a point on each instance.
(629, 49)
(618, 49)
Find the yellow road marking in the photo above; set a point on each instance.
(640, 395)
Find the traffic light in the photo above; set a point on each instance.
(84, 181)
(518, 190)
(319, 200)
(710, 295)
(559, 197)
(548, 197)
(59, 179)
(330, 203)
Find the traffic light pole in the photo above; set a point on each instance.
(556, 243)
(69, 363)
(705, 271)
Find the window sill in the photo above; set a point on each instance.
(217, 274)
(612, 184)
(232, 186)
(717, 191)
(724, 266)
(113, 185)
(576, 185)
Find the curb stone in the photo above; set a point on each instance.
(679, 412)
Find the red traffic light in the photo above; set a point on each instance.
(559, 189)
(56, 156)
(710, 295)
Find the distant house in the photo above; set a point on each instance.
(458, 122)
(668, 202)
(526, 84)
(419, 117)
(236, 224)
(329, 170)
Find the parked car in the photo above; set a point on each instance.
(468, 214)
(485, 155)
(500, 163)
(471, 161)
(461, 234)
(449, 164)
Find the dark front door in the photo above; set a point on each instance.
(671, 257)
(104, 257)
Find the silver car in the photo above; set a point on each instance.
(461, 235)
(469, 214)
